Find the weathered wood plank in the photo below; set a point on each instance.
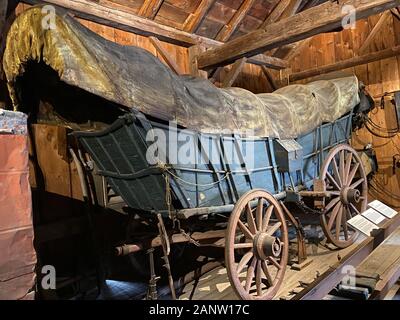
(127, 21)
(233, 73)
(284, 9)
(194, 19)
(165, 55)
(374, 32)
(237, 18)
(349, 63)
(322, 18)
(150, 8)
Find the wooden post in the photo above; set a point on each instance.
(194, 70)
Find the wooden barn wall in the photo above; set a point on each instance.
(379, 77)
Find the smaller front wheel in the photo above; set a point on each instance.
(257, 245)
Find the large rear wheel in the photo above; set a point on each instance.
(343, 175)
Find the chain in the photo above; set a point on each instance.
(306, 209)
(190, 239)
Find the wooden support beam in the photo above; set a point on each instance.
(319, 19)
(129, 22)
(149, 8)
(193, 53)
(117, 18)
(233, 73)
(293, 50)
(228, 29)
(345, 64)
(194, 19)
(284, 9)
(165, 55)
(374, 32)
(270, 78)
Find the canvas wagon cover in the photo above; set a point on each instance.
(134, 78)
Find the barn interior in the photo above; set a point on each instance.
(84, 215)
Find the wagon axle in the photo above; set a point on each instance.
(267, 246)
(349, 195)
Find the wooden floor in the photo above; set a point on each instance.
(215, 285)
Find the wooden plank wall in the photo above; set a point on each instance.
(379, 77)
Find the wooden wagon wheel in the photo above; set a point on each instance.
(256, 251)
(343, 175)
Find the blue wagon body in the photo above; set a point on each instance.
(121, 153)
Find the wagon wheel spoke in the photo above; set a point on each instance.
(258, 278)
(267, 274)
(336, 172)
(275, 262)
(353, 173)
(333, 215)
(267, 217)
(333, 181)
(250, 275)
(339, 222)
(244, 245)
(341, 165)
(352, 206)
(250, 220)
(349, 159)
(344, 223)
(357, 183)
(259, 213)
(248, 234)
(331, 204)
(274, 228)
(244, 261)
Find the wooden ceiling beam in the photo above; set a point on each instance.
(194, 19)
(149, 8)
(319, 19)
(345, 64)
(233, 73)
(165, 55)
(129, 22)
(284, 9)
(228, 29)
(374, 32)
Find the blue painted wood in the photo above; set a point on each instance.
(120, 153)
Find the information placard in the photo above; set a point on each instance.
(363, 224)
(374, 216)
(383, 209)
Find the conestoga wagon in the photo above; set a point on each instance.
(209, 166)
(319, 166)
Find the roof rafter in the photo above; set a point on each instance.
(323, 18)
(228, 29)
(149, 8)
(194, 19)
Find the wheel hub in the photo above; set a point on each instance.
(349, 195)
(266, 246)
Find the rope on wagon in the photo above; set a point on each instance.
(166, 169)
